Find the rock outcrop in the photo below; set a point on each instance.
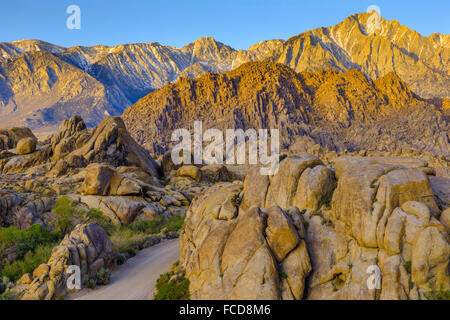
(87, 247)
(104, 180)
(122, 196)
(111, 143)
(338, 111)
(26, 145)
(311, 232)
(229, 253)
(10, 137)
(71, 135)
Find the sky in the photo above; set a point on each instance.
(238, 23)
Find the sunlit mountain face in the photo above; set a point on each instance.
(41, 84)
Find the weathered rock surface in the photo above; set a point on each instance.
(382, 216)
(338, 111)
(104, 180)
(121, 179)
(71, 135)
(111, 143)
(87, 247)
(242, 256)
(10, 137)
(26, 145)
(189, 171)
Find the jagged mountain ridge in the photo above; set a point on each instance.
(39, 89)
(130, 71)
(338, 110)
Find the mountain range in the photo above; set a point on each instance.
(42, 84)
(340, 111)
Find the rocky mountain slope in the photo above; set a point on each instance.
(337, 110)
(41, 83)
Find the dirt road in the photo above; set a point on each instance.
(136, 278)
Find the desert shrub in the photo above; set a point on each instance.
(143, 233)
(131, 252)
(97, 217)
(30, 261)
(120, 258)
(21, 217)
(407, 266)
(438, 294)
(175, 223)
(90, 282)
(65, 213)
(101, 278)
(147, 226)
(15, 243)
(151, 240)
(172, 287)
(125, 239)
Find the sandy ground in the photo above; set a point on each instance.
(136, 278)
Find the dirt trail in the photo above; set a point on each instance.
(136, 278)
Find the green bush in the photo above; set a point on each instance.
(175, 223)
(326, 203)
(67, 215)
(31, 261)
(169, 287)
(120, 258)
(142, 233)
(126, 240)
(97, 217)
(147, 226)
(20, 242)
(101, 278)
(438, 295)
(407, 266)
(90, 282)
(64, 212)
(131, 252)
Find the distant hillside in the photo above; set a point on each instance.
(340, 111)
(41, 83)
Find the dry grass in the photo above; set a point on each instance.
(125, 239)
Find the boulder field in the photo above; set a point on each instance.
(327, 225)
(319, 233)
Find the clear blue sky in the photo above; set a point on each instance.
(238, 23)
